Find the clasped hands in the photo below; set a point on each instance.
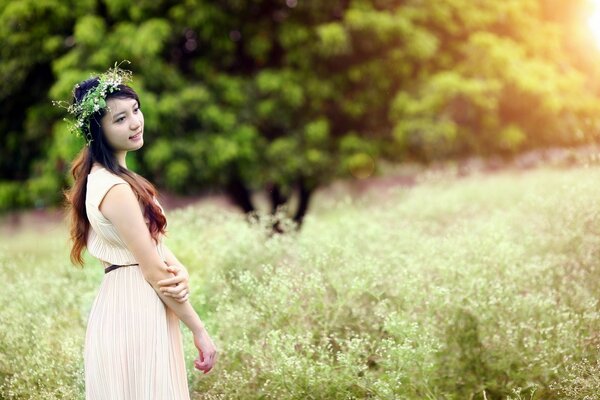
(177, 286)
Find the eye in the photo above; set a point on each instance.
(136, 109)
(120, 119)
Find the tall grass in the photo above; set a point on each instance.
(478, 288)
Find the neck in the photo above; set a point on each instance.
(121, 158)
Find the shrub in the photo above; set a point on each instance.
(482, 288)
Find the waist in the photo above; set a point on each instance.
(114, 266)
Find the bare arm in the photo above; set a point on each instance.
(177, 286)
(170, 257)
(120, 206)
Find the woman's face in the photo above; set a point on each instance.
(123, 124)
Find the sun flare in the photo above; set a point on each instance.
(594, 21)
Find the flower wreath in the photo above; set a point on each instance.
(94, 100)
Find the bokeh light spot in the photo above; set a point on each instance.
(361, 165)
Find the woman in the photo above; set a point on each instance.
(133, 347)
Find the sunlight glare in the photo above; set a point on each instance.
(594, 21)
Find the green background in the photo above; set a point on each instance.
(426, 283)
(245, 95)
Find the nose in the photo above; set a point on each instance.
(135, 123)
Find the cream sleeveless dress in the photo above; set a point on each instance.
(133, 346)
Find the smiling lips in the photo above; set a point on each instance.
(136, 136)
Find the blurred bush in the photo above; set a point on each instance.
(242, 95)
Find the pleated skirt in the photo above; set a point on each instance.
(133, 345)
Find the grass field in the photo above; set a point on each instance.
(484, 287)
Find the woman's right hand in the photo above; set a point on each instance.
(207, 352)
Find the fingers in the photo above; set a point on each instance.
(173, 268)
(175, 291)
(181, 295)
(174, 280)
(205, 364)
(183, 298)
(201, 364)
(170, 281)
(171, 284)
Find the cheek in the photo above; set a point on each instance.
(113, 135)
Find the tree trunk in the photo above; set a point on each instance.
(305, 193)
(277, 198)
(240, 194)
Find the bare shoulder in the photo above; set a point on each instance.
(120, 204)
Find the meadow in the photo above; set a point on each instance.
(481, 287)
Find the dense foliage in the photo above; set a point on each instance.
(247, 94)
(440, 291)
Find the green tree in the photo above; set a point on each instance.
(243, 95)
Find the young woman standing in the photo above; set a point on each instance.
(133, 347)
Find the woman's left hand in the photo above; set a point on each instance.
(176, 287)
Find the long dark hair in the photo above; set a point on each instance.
(98, 150)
